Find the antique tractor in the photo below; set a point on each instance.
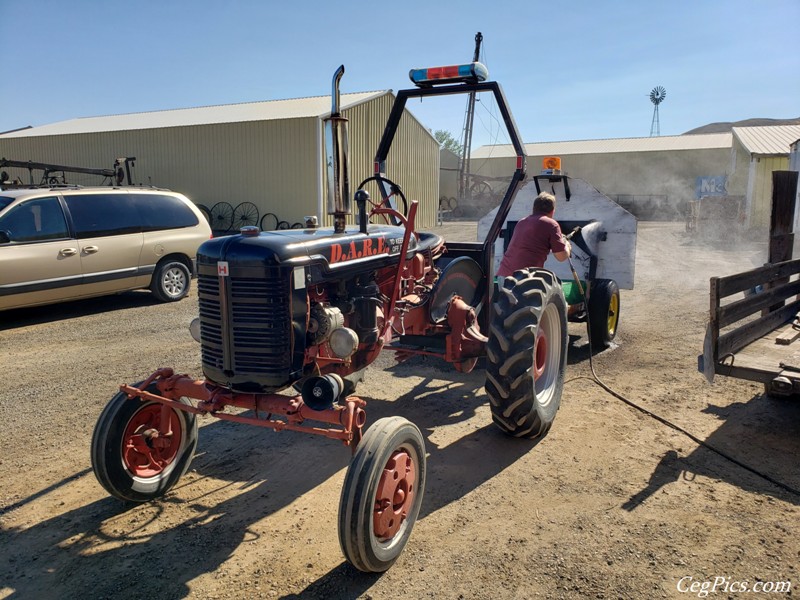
(304, 312)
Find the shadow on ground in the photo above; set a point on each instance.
(268, 471)
(761, 435)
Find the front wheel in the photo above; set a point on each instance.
(171, 281)
(141, 449)
(604, 308)
(382, 494)
(527, 353)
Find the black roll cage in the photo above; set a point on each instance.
(482, 252)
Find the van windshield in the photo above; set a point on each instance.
(5, 201)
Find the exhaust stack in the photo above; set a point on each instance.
(337, 171)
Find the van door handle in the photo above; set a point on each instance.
(90, 249)
(68, 252)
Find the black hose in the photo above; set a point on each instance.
(657, 417)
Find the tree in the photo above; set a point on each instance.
(446, 140)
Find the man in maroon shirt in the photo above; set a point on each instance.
(534, 238)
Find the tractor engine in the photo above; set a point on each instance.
(278, 307)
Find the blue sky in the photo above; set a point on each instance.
(570, 70)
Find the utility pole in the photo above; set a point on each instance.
(466, 145)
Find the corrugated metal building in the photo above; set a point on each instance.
(268, 153)
(648, 175)
(757, 151)
(653, 177)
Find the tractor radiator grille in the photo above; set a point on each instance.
(246, 329)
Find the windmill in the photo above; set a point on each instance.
(656, 97)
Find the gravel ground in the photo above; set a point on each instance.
(611, 504)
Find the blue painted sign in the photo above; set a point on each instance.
(711, 186)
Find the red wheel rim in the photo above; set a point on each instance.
(540, 355)
(394, 496)
(147, 449)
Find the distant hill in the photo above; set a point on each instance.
(725, 127)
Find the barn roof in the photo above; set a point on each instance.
(316, 106)
(771, 140)
(608, 146)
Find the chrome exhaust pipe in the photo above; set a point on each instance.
(337, 168)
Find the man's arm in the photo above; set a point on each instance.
(564, 254)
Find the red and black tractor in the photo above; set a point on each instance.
(289, 320)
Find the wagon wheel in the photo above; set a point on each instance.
(527, 353)
(269, 222)
(452, 203)
(382, 494)
(221, 217)
(283, 225)
(481, 192)
(132, 457)
(298, 225)
(245, 214)
(205, 211)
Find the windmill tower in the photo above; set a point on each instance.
(656, 97)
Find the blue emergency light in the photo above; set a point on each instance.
(470, 73)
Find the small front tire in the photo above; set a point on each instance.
(382, 494)
(171, 281)
(604, 306)
(129, 460)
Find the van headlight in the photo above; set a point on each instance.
(194, 329)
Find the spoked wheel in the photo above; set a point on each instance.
(527, 353)
(382, 494)
(481, 192)
(245, 214)
(389, 191)
(221, 217)
(269, 222)
(604, 308)
(141, 449)
(283, 225)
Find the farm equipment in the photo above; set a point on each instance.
(309, 309)
(754, 316)
(603, 236)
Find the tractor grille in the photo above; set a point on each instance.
(249, 348)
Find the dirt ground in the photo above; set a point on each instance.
(611, 504)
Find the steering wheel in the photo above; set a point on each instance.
(394, 190)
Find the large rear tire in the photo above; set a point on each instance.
(128, 460)
(527, 353)
(382, 494)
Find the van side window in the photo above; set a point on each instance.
(158, 212)
(96, 215)
(34, 221)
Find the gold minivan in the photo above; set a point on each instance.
(65, 243)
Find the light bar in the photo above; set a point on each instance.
(469, 73)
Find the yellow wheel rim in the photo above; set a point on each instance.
(613, 314)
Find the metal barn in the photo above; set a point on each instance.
(652, 177)
(267, 153)
(757, 151)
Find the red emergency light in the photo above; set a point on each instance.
(470, 73)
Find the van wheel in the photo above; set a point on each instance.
(171, 281)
